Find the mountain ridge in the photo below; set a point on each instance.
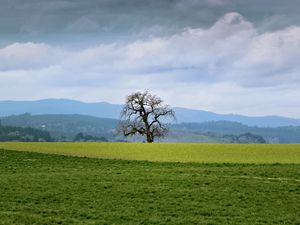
(108, 110)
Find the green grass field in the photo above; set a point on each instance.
(57, 189)
(163, 152)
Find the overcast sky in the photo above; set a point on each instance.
(226, 56)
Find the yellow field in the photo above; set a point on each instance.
(169, 152)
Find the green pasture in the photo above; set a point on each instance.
(169, 152)
(45, 189)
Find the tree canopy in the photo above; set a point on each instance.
(145, 114)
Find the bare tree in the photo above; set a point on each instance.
(145, 114)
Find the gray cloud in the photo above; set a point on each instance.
(227, 67)
(109, 20)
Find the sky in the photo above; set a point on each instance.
(225, 56)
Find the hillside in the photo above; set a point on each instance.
(12, 133)
(66, 127)
(284, 134)
(107, 110)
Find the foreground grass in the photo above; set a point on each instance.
(163, 152)
(53, 189)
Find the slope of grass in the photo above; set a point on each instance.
(208, 153)
(53, 189)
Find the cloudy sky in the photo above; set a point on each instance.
(226, 56)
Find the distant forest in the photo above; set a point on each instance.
(11, 133)
(26, 132)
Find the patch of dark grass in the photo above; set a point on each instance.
(51, 189)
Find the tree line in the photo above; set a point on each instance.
(28, 134)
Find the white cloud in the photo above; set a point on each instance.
(229, 67)
(23, 56)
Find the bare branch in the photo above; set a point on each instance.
(143, 113)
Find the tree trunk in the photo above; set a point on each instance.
(149, 137)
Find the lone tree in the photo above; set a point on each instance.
(145, 114)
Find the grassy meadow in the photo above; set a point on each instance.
(169, 152)
(217, 184)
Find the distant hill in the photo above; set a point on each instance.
(67, 127)
(60, 106)
(284, 134)
(12, 133)
(107, 110)
(64, 126)
(200, 116)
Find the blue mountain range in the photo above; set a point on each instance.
(107, 110)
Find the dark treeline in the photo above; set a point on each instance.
(28, 134)
(86, 137)
(66, 127)
(11, 133)
(244, 138)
